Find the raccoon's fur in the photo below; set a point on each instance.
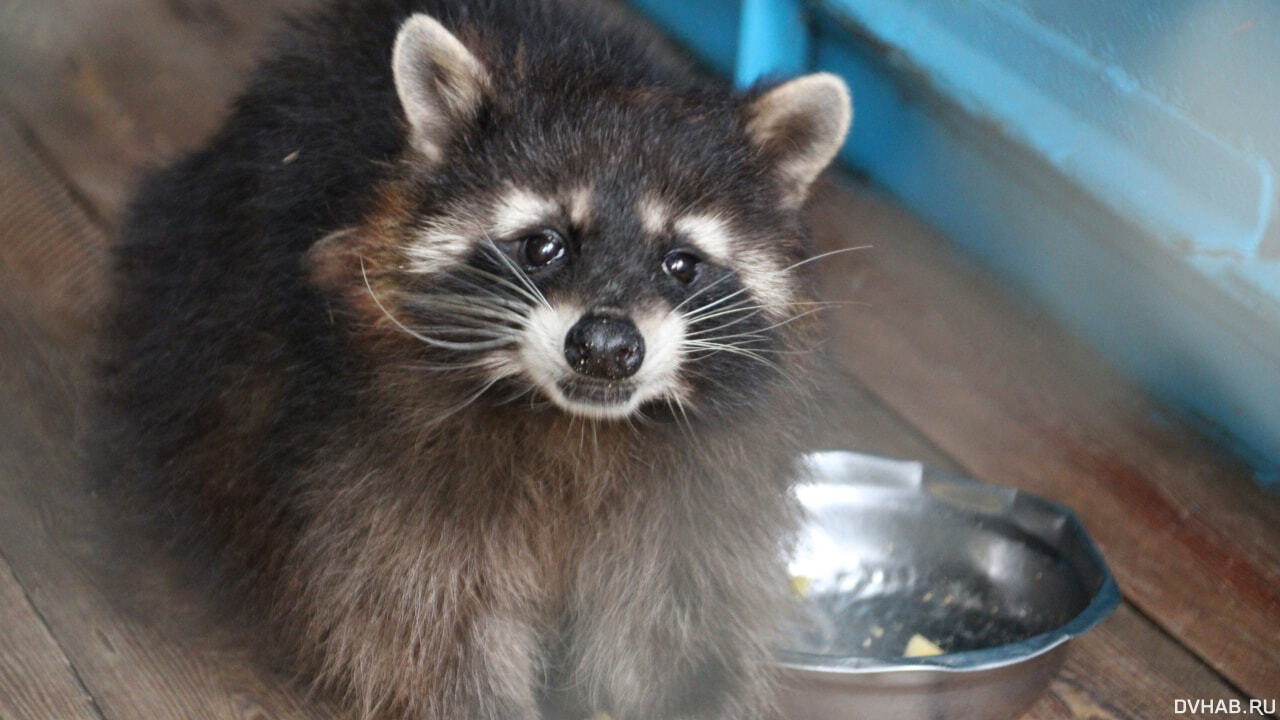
(467, 343)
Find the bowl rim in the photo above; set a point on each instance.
(1104, 601)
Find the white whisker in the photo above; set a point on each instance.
(520, 274)
(520, 290)
(786, 269)
(710, 348)
(435, 342)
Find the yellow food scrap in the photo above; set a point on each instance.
(920, 646)
(799, 587)
(877, 632)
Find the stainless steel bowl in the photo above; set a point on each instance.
(997, 578)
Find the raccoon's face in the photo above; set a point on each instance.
(603, 248)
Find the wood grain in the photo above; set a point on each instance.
(145, 644)
(1127, 668)
(52, 256)
(1016, 401)
(36, 678)
(109, 87)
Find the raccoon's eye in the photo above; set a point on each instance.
(542, 248)
(681, 265)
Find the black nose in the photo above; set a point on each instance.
(604, 346)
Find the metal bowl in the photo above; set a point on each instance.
(999, 579)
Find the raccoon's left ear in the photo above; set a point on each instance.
(800, 125)
(440, 83)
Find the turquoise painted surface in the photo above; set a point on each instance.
(1214, 61)
(773, 40)
(1092, 119)
(707, 27)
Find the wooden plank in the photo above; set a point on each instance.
(145, 644)
(78, 71)
(1127, 668)
(36, 679)
(52, 255)
(996, 385)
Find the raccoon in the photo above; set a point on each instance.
(473, 345)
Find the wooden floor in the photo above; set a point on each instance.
(943, 364)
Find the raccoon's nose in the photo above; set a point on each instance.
(604, 346)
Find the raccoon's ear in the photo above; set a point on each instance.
(440, 83)
(800, 125)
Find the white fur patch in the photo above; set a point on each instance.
(579, 206)
(520, 210)
(447, 239)
(710, 234)
(659, 374)
(440, 244)
(654, 215)
(541, 350)
(759, 272)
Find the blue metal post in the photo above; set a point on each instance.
(773, 40)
